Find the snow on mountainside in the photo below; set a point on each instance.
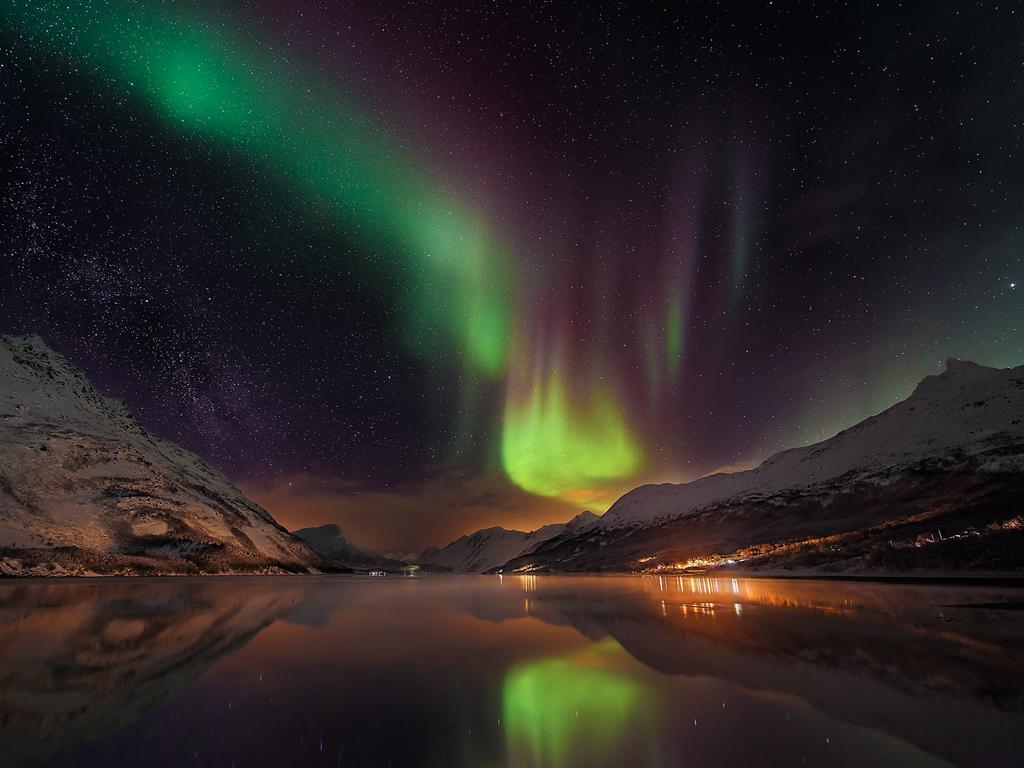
(936, 482)
(331, 543)
(970, 411)
(85, 489)
(488, 548)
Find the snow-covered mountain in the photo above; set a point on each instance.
(85, 489)
(951, 452)
(969, 411)
(492, 547)
(338, 551)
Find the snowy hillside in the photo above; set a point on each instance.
(491, 547)
(936, 482)
(969, 412)
(84, 488)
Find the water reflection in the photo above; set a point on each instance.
(582, 709)
(520, 671)
(914, 667)
(80, 660)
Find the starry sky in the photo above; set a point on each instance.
(424, 267)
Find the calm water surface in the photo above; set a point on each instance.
(513, 671)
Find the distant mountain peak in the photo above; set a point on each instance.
(326, 529)
(491, 547)
(956, 365)
(957, 374)
(583, 520)
(329, 541)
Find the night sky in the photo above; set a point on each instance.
(424, 267)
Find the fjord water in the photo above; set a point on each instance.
(513, 671)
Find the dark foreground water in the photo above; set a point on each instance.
(516, 671)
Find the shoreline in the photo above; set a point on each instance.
(981, 579)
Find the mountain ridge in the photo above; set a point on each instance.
(957, 371)
(85, 489)
(491, 547)
(953, 451)
(330, 542)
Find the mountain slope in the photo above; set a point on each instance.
(338, 551)
(85, 489)
(950, 456)
(491, 547)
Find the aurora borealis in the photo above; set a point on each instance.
(551, 447)
(423, 270)
(201, 79)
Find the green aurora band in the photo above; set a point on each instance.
(201, 78)
(552, 447)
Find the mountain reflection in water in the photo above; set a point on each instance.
(517, 671)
